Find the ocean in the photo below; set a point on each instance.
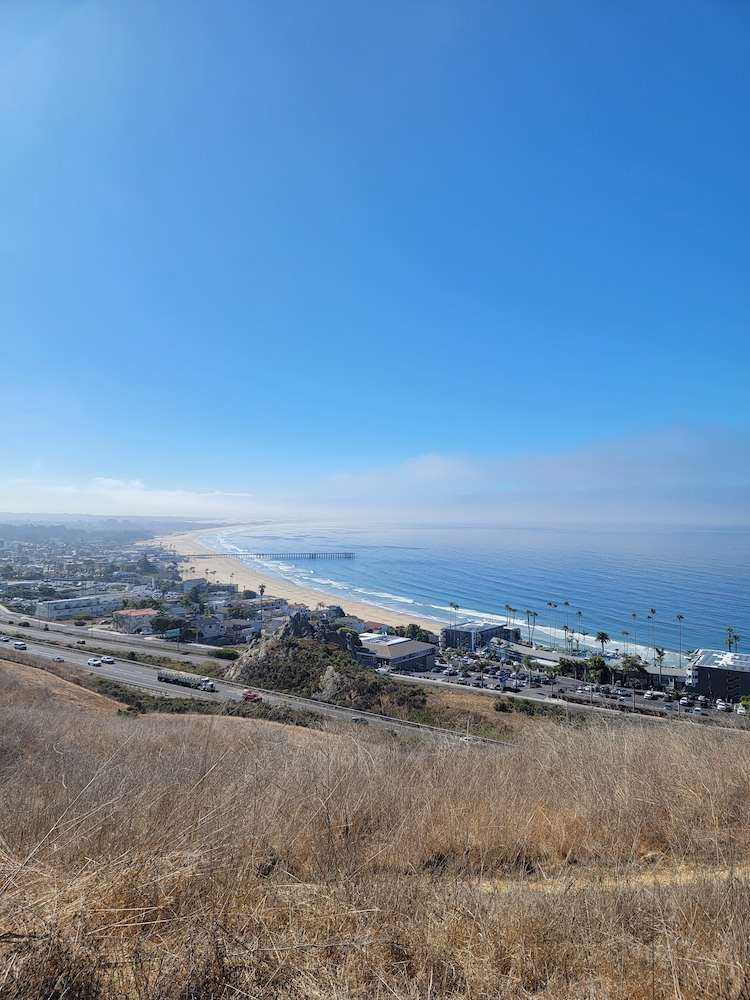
(607, 574)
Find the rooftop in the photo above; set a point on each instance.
(476, 626)
(721, 660)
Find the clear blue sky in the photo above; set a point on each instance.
(245, 243)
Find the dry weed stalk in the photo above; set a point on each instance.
(207, 857)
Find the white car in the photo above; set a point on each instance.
(741, 710)
(4, 638)
(94, 663)
(58, 659)
(107, 659)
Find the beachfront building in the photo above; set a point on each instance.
(350, 621)
(393, 652)
(716, 673)
(378, 627)
(473, 635)
(97, 604)
(296, 609)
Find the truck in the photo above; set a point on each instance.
(186, 680)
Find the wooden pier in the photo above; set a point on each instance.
(272, 556)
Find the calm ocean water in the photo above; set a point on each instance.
(607, 574)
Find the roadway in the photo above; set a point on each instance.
(50, 646)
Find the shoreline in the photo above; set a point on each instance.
(231, 570)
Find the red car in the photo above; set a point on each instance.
(251, 696)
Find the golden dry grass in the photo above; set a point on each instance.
(24, 685)
(207, 857)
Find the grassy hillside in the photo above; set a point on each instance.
(24, 686)
(192, 857)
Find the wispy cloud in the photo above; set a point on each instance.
(666, 460)
(680, 475)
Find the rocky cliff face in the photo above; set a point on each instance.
(325, 671)
(299, 627)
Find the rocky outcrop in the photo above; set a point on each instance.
(299, 627)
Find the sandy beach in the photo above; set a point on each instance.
(233, 571)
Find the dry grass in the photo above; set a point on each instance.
(43, 689)
(209, 857)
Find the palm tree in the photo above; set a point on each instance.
(736, 641)
(566, 638)
(602, 637)
(454, 608)
(652, 612)
(680, 619)
(261, 591)
(635, 633)
(659, 658)
(648, 635)
(533, 626)
(625, 638)
(730, 638)
(549, 616)
(554, 619)
(527, 613)
(583, 636)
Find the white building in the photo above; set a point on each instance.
(97, 604)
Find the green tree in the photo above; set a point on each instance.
(602, 638)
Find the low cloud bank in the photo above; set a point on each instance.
(679, 476)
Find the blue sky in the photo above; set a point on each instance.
(291, 251)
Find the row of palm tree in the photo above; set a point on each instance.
(732, 639)
(572, 635)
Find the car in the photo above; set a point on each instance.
(471, 741)
(685, 702)
(19, 645)
(697, 710)
(4, 638)
(251, 696)
(93, 662)
(58, 659)
(357, 718)
(648, 695)
(740, 710)
(80, 642)
(108, 659)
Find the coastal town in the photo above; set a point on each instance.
(113, 582)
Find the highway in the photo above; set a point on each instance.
(77, 645)
(62, 643)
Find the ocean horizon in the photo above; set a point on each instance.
(608, 574)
